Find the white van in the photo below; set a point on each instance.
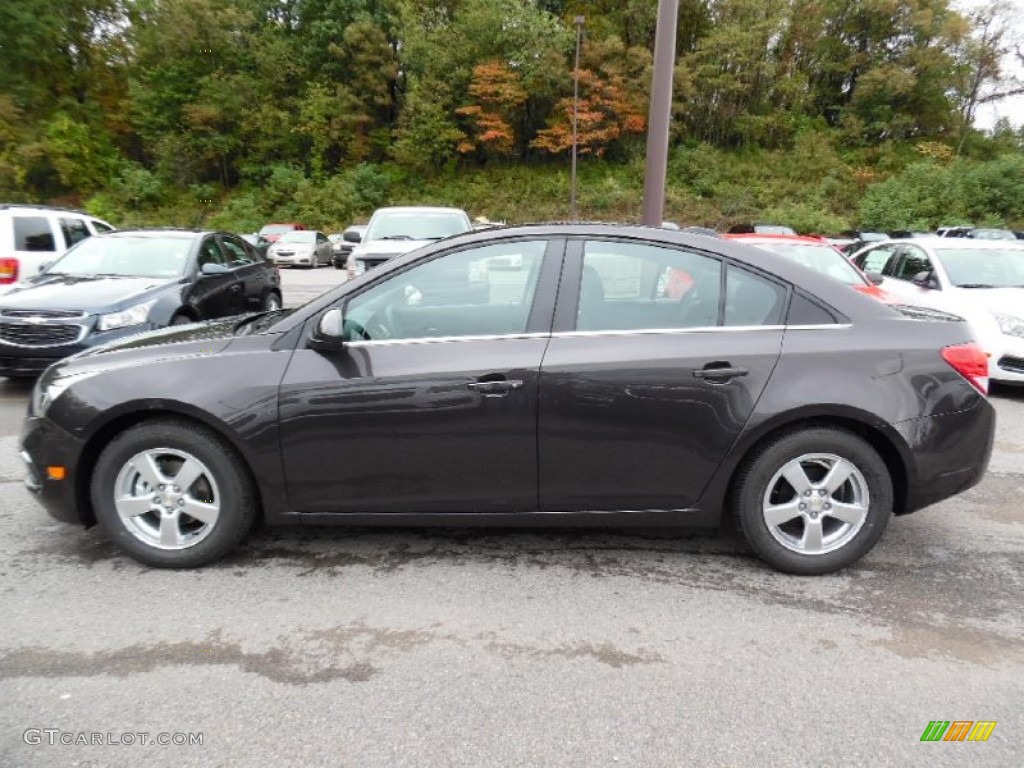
(32, 236)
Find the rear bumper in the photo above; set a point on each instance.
(43, 444)
(951, 453)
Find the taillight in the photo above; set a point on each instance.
(8, 271)
(971, 362)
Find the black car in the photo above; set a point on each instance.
(120, 284)
(547, 374)
(341, 248)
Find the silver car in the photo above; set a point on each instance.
(301, 248)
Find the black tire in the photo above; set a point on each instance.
(269, 299)
(180, 318)
(755, 479)
(235, 493)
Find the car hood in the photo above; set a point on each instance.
(194, 340)
(1009, 301)
(382, 248)
(80, 293)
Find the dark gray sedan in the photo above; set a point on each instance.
(538, 375)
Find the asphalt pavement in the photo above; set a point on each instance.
(361, 647)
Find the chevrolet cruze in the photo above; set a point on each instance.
(565, 374)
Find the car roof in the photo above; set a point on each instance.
(750, 237)
(937, 243)
(419, 209)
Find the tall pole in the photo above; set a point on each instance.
(660, 114)
(573, 212)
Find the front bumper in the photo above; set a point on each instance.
(1007, 361)
(42, 445)
(951, 453)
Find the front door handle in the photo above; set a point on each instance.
(495, 388)
(720, 372)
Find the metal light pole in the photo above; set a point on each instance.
(660, 114)
(579, 21)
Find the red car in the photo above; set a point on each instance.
(818, 255)
(273, 232)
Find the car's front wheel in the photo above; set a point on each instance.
(271, 302)
(813, 501)
(172, 494)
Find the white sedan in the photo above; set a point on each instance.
(301, 248)
(980, 280)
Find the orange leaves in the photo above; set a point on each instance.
(500, 96)
(606, 113)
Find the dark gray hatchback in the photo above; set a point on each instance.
(548, 374)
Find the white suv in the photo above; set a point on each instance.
(394, 231)
(32, 236)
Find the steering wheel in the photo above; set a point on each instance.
(357, 329)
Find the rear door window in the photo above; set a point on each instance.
(751, 299)
(631, 286)
(33, 233)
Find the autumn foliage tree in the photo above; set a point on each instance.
(612, 103)
(500, 96)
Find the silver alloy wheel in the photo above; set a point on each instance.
(167, 498)
(816, 503)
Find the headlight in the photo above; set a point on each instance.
(131, 316)
(45, 392)
(1010, 325)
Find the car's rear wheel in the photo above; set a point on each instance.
(172, 494)
(181, 318)
(814, 500)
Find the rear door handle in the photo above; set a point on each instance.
(495, 388)
(720, 372)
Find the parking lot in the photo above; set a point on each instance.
(481, 647)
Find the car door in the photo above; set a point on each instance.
(658, 357)
(431, 406)
(215, 295)
(251, 270)
(907, 263)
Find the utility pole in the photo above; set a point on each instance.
(579, 21)
(660, 114)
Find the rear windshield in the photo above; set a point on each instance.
(821, 258)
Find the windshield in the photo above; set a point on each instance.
(127, 256)
(276, 229)
(821, 258)
(412, 225)
(298, 237)
(993, 234)
(983, 268)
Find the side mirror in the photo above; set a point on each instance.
(926, 279)
(329, 333)
(209, 269)
(351, 237)
(875, 278)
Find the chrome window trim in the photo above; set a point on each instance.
(588, 334)
(444, 339)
